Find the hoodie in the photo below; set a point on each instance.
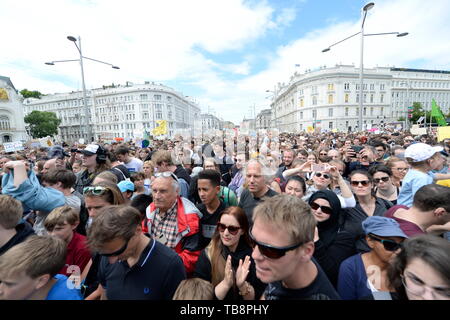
(23, 231)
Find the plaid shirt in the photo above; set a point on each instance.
(165, 229)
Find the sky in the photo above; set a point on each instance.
(224, 53)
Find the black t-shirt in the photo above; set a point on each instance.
(248, 202)
(155, 276)
(208, 223)
(121, 172)
(320, 289)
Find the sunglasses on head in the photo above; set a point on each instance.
(116, 253)
(95, 190)
(364, 183)
(384, 179)
(324, 209)
(231, 229)
(325, 176)
(166, 174)
(272, 252)
(388, 245)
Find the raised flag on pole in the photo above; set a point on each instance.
(161, 128)
(437, 114)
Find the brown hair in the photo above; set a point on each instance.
(55, 175)
(59, 216)
(112, 195)
(11, 212)
(194, 289)
(161, 156)
(108, 175)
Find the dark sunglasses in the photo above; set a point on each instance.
(272, 252)
(325, 176)
(324, 209)
(364, 183)
(96, 191)
(389, 245)
(116, 253)
(231, 229)
(384, 179)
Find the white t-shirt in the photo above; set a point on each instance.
(135, 165)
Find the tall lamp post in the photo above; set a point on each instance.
(366, 8)
(86, 107)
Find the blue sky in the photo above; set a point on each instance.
(226, 54)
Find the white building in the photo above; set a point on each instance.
(329, 97)
(263, 119)
(211, 122)
(12, 126)
(119, 111)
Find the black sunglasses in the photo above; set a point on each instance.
(272, 252)
(389, 245)
(364, 183)
(384, 179)
(324, 209)
(116, 253)
(325, 176)
(231, 229)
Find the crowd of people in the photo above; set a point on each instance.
(275, 216)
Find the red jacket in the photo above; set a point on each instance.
(188, 218)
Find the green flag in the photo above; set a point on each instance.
(437, 114)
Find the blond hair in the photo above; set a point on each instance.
(11, 212)
(161, 156)
(36, 256)
(194, 289)
(289, 214)
(60, 216)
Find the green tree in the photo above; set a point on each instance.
(417, 112)
(30, 94)
(42, 124)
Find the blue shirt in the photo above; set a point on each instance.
(61, 291)
(412, 182)
(352, 279)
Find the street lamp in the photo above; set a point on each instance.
(366, 8)
(86, 108)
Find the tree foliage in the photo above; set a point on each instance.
(42, 123)
(30, 94)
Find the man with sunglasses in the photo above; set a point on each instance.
(133, 266)
(283, 235)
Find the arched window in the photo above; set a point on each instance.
(4, 123)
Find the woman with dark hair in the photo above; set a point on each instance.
(226, 262)
(421, 270)
(295, 186)
(384, 186)
(332, 244)
(367, 205)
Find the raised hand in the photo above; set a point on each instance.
(228, 273)
(242, 271)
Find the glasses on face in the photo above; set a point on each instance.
(417, 287)
(364, 183)
(323, 154)
(95, 190)
(384, 179)
(166, 174)
(389, 245)
(325, 176)
(316, 206)
(272, 252)
(231, 229)
(116, 253)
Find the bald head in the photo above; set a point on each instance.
(48, 165)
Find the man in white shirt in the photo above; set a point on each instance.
(132, 164)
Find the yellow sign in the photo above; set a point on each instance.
(3, 94)
(161, 128)
(443, 133)
(310, 129)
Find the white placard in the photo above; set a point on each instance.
(13, 146)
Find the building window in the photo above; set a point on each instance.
(364, 111)
(330, 112)
(144, 97)
(382, 86)
(372, 87)
(301, 102)
(371, 111)
(346, 97)
(357, 97)
(365, 98)
(382, 98)
(330, 87)
(157, 97)
(346, 86)
(314, 100)
(301, 115)
(4, 123)
(357, 111)
(330, 125)
(371, 98)
(346, 112)
(330, 99)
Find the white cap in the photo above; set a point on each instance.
(421, 151)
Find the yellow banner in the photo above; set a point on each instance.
(443, 133)
(161, 128)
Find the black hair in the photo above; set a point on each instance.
(380, 168)
(299, 180)
(141, 202)
(212, 175)
(432, 196)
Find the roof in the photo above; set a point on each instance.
(8, 82)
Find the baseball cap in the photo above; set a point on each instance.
(421, 151)
(57, 152)
(92, 149)
(126, 185)
(383, 227)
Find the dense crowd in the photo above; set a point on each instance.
(246, 217)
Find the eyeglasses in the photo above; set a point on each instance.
(417, 287)
(389, 245)
(324, 209)
(95, 190)
(272, 252)
(364, 183)
(231, 229)
(325, 176)
(323, 154)
(166, 174)
(384, 179)
(118, 252)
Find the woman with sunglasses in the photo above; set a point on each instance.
(332, 244)
(421, 270)
(367, 205)
(399, 169)
(384, 187)
(226, 262)
(364, 276)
